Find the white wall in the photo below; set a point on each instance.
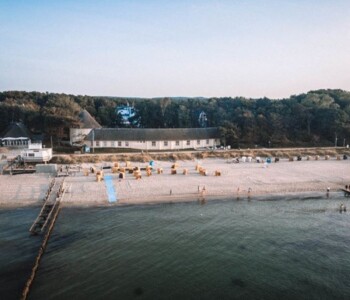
(41, 155)
(149, 145)
(15, 142)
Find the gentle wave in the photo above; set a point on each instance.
(292, 248)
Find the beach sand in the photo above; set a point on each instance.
(22, 190)
(237, 180)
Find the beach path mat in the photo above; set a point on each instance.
(111, 191)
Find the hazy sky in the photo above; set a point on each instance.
(175, 48)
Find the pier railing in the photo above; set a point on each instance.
(47, 218)
(49, 207)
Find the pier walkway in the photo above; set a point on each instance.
(46, 219)
(50, 207)
(346, 192)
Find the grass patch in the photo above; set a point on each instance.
(195, 155)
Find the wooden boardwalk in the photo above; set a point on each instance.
(346, 192)
(50, 206)
(44, 223)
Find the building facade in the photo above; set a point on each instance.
(150, 139)
(87, 123)
(16, 135)
(36, 153)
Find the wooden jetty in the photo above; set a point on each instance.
(44, 223)
(50, 206)
(346, 192)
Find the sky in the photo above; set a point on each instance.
(249, 48)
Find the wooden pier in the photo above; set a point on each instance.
(346, 192)
(44, 223)
(50, 206)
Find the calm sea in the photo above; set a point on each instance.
(295, 248)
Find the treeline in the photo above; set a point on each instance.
(313, 119)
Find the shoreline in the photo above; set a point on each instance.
(228, 197)
(168, 200)
(212, 198)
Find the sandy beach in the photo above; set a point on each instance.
(237, 180)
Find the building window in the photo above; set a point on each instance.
(97, 143)
(207, 142)
(119, 144)
(153, 144)
(177, 143)
(188, 143)
(126, 144)
(165, 143)
(198, 142)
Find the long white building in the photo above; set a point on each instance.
(153, 139)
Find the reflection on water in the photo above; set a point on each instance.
(17, 250)
(288, 248)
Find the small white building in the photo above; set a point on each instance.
(36, 153)
(150, 139)
(16, 135)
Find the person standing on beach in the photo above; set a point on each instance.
(249, 190)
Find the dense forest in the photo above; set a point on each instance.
(316, 118)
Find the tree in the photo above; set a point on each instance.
(229, 133)
(164, 103)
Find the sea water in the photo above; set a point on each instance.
(288, 248)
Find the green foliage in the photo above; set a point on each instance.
(311, 119)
